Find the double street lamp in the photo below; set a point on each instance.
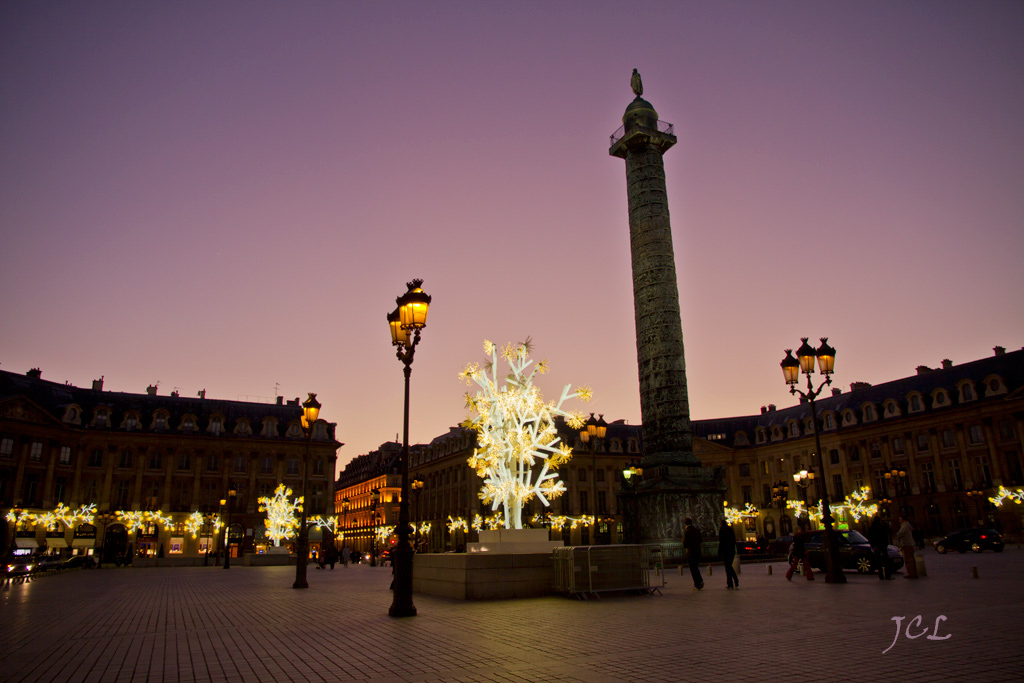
(405, 322)
(230, 501)
(791, 369)
(898, 477)
(417, 486)
(310, 414)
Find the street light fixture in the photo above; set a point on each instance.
(593, 430)
(825, 356)
(310, 414)
(898, 477)
(417, 486)
(803, 479)
(227, 529)
(374, 523)
(409, 317)
(345, 502)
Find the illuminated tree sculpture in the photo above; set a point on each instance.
(281, 520)
(1015, 495)
(516, 428)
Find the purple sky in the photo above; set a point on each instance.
(230, 196)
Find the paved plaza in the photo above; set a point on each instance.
(248, 624)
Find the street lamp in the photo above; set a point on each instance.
(227, 529)
(417, 486)
(592, 431)
(374, 523)
(791, 369)
(898, 477)
(310, 413)
(803, 479)
(409, 317)
(344, 518)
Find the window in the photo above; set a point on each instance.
(1013, 469)
(156, 460)
(160, 421)
(837, 486)
(744, 469)
(102, 418)
(940, 398)
(897, 444)
(1006, 432)
(833, 456)
(869, 413)
(853, 453)
(922, 443)
(975, 435)
(188, 424)
(830, 421)
(880, 490)
(212, 462)
(184, 461)
(956, 482)
(984, 473)
(876, 450)
(915, 403)
(584, 503)
(216, 426)
(131, 422)
(967, 392)
(948, 438)
(760, 435)
(60, 488)
(181, 494)
(6, 447)
(95, 458)
(318, 467)
(581, 474)
(293, 466)
(794, 429)
(121, 493)
(602, 502)
(65, 455)
(126, 460)
(240, 464)
(270, 427)
(317, 498)
(36, 453)
(927, 477)
(849, 418)
(266, 465)
(764, 467)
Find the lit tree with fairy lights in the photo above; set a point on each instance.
(516, 429)
(281, 520)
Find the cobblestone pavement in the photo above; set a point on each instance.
(248, 624)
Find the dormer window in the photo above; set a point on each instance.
(188, 423)
(242, 426)
(131, 421)
(869, 413)
(891, 409)
(73, 415)
(794, 429)
(760, 435)
(916, 405)
(101, 418)
(967, 392)
(830, 421)
(849, 418)
(216, 425)
(776, 433)
(159, 420)
(294, 430)
(994, 385)
(269, 427)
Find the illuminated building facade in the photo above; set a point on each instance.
(955, 433)
(144, 452)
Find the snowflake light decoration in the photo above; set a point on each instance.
(21, 520)
(562, 521)
(457, 524)
(133, 520)
(856, 504)
(516, 428)
(1017, 496)
(425, 528)
(383, 532)
(734, 516)
(281, 520)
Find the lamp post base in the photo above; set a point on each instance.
(402, 605)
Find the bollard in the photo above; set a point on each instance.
(769, 567)
(919, 562)
(709, 570)
(680, 570)
(974, 572)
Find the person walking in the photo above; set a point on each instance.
(692, 541)
(727, 551)
(798, 553)
(878, 537)
(332, 555)
(345, 555)
(905, 541)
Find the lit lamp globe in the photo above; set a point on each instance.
(806, 355)
(826, 357)
(790, 368)
(310, 411)
(413, 306)
(399, 336)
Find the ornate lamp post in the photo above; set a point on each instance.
(406, 321)
(345, 502)
(310, 413)
(979, 496)
(227, 529)
(374, 523)
(803, 479)
(898, 477)
(791, 369)
(780, 494)
(593, 431)
(417, 486)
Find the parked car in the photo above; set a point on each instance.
(79, 561)
(854, 552)
(49, 562)
(780, 546)
(971, 539)
(756, 547)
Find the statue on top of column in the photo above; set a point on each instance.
(636, 84)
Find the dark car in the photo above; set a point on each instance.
(781, 545)
(854, 552)
(49, 562)
(971, 539)
(20, 566)
(756, 547)
(76, 561)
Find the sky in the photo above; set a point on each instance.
(229, 196)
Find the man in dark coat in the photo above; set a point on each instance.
(878, 537)
(691, 542)
(727, 551)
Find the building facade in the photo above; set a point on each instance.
(71, 446)
(948, 438)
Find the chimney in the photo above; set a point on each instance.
(202, 393)
(280, 400)
(999, 350)
(97, 384)
(151, 390)
(856, 386)
(771, 407)
(836, 391)
(34, 373)
(922, 369)
(946, 364)
(764, 409)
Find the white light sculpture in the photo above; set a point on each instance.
(856, 504)
(457, 524)
(515, 428)
(425, 528)
(1017, 496)
(281, 520)
(734, 516)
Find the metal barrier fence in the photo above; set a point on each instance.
(582, 571)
